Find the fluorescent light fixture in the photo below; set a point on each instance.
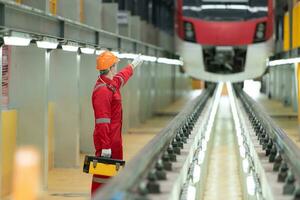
(133, 56)
(70, 46)
(250, 185)
(17, 39)
(169, 61)
(148, 58)
(284, 61)
(191, 192)
(196, 173)
(127, 55)
(47, 43)
(99, 51)
(225, 7)
(116, 53)
(87, 50)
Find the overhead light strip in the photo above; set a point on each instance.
(87, 50)
(47, 43)
(222, 7)
(17, 39)
(22, 39)
(283, 61)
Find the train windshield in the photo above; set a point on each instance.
(225, 10)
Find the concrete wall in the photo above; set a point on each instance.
(28, 95)
(109, 17)
(41, 4)
(125, 28)
(69, 9)
(280, 84)
(136, 28)
(64, 92)
(165, 41)
(51, 95)
(92, 10)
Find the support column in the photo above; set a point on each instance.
(88, 77)
(297, 66)
(64, 93)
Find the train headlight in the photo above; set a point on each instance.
(189, 32)
(260, 32)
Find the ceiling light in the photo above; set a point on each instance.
(47, 43)
(284, 61)
(116, 53)
(70, 46)
(127, 55)
(17, 39)
(99, 51)
(148, 58)
(87, 50)
(169, 61)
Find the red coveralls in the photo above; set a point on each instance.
(107, 106)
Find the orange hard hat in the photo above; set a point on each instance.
(106, 60)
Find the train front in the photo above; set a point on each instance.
(225, 40)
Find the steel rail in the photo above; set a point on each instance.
(286, 147)
(142, 163)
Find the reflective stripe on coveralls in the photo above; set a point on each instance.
(103, 121)
(121, 78)
(100, 180)
(100, 85)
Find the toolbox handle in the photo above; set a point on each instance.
(95, 163)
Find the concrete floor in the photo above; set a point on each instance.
(74, 184)
(223, 175)
(222, 180)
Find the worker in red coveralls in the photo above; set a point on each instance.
(107, 107)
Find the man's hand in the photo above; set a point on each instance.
(106, 153)
(137, 62)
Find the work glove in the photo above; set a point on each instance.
(106, 153)
(137, 61)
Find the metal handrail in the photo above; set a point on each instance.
(286, 147)
(136, 169)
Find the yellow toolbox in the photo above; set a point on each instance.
(102, 166)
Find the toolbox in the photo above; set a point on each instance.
(102, 165)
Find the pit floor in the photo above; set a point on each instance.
(73, 184)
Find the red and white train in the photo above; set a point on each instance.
(224, 40)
